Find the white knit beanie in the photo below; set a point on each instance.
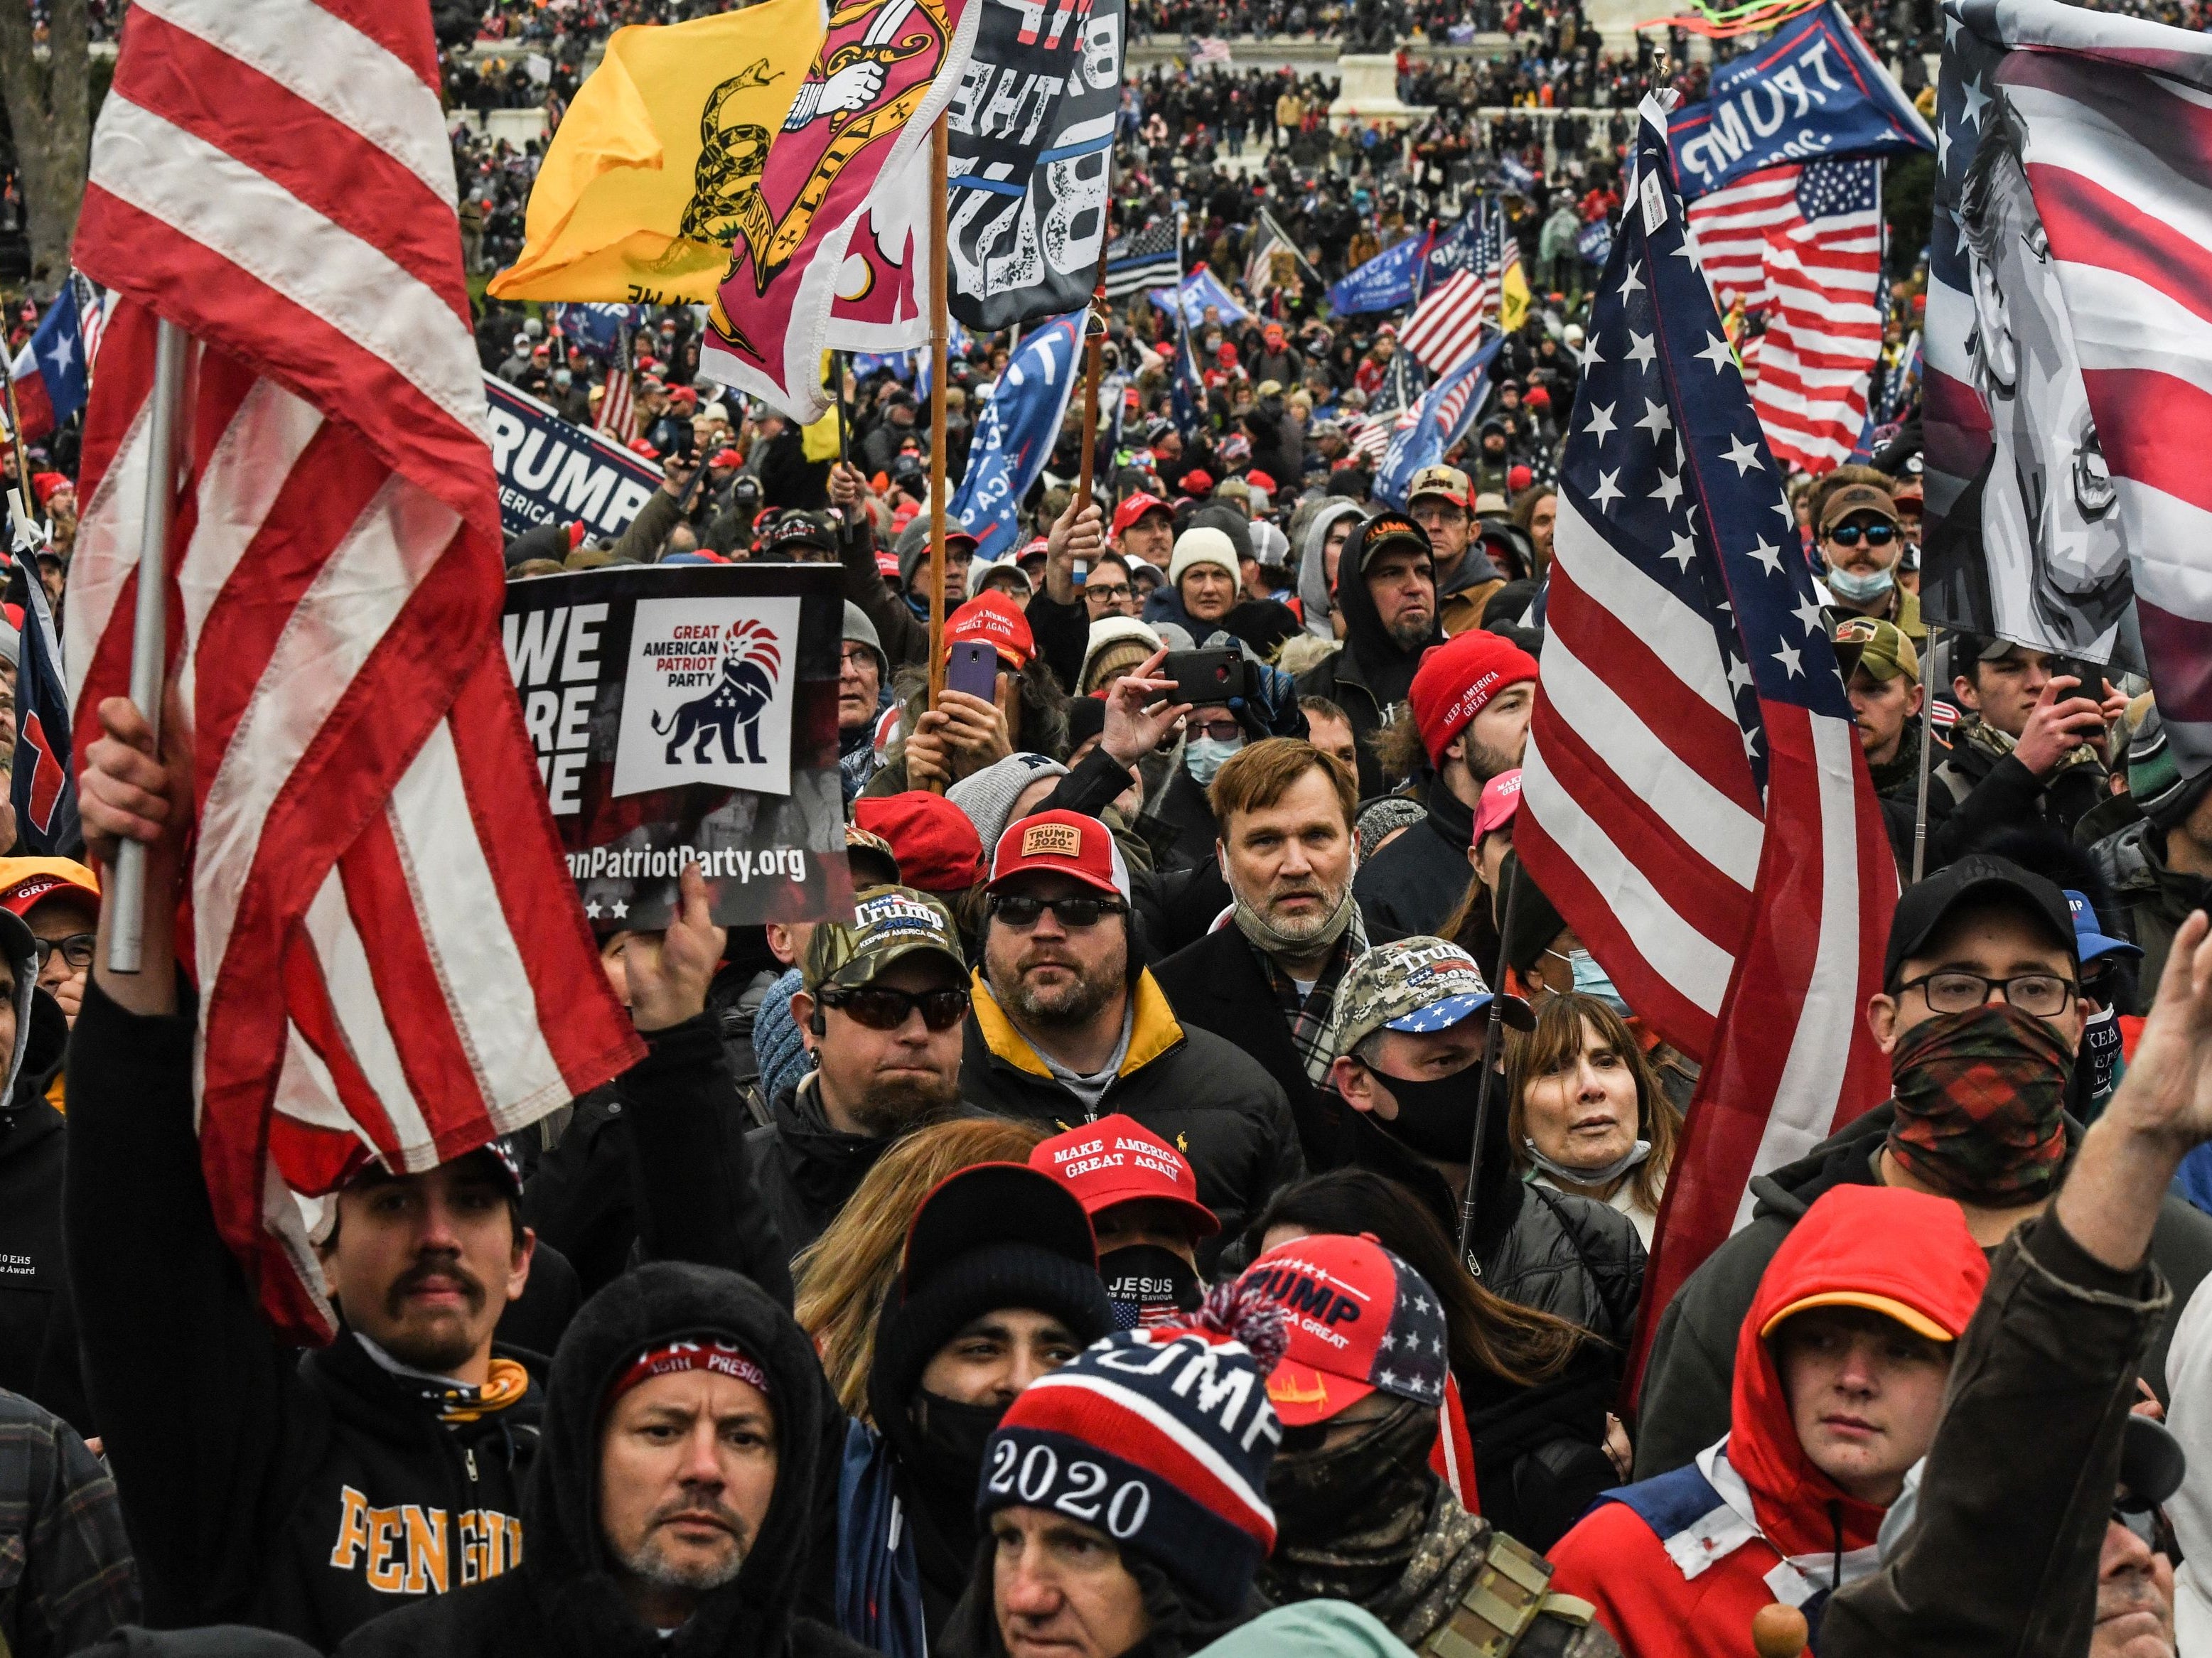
(1107, 630)
(1202, 544)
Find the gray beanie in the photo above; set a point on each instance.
(11, 646)
(988, 795)
(859, 630)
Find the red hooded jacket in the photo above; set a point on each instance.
(1677, 1566)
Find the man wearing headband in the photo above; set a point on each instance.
(678, 1495)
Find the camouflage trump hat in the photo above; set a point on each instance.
(1416, 984)
(1879, 646)
(889, 924)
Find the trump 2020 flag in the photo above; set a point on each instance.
(1029, 140)
(1813, 92)
(1015, 433)
(1390, 279)
(1693, 799)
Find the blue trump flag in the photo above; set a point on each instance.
(1016, 431)
(1446, 411)
(1815, 91)
(42, 787)
(1198, 290)
(1386, 281)
(597, 328)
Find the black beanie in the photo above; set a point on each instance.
(915, 1324)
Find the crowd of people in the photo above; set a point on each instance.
(1198, 1198)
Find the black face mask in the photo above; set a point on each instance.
(1148, 1285)
(1436, 1115)
(946, 1451)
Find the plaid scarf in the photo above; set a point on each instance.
(1308, 1015)
(1980, 1100)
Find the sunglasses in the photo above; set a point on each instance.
(1021, 912)
(2149, 1524)
(879, 1007)
(1877, 535)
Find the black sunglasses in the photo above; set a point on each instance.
(1877, 535)
(1019, 911)
(880, 1007)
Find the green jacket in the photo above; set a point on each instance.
(2151, 901)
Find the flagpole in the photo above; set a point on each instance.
(149, 629)
(1490, 1044)
(940, 188)
(1094, 335)
(16, 430)
(1927, 742)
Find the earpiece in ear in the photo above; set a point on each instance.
(815, 1024)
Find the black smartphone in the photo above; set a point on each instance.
(1205, 678)
(2091, 675)
(973, 669)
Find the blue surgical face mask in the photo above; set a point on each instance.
(1857, 589)
(1202, 756)
(1591, 980)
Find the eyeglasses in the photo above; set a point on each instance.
(1877, 535)
(1221, 731)
(2045, 995)
(1020, 911)
(880, 1007)
(76, 950)
(2148, 1523)
(1114, 594)
(858, 656)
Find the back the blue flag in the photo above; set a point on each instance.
(1815, 91)
(1016, 431)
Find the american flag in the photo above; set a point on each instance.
(1694, 800)
(91, 318)
(1139, 261)
(379, 919)
(618, 403)
(1803, 244)
(1461, 288)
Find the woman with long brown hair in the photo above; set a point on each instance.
(1586, 1113)
(843, 1275)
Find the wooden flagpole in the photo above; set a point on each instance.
(1094, 337)
(939, 188)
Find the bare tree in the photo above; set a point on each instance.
(49, 113)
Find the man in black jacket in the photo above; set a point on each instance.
(32, 1035)
(1471, 697)
(1267, 980)
(1386, 592)
(1068, 1026)
(687, 1429)
(309, 1495)
(880, 1008)
(2031, 750)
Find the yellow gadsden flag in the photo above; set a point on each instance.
(636, 201)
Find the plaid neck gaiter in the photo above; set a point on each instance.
(1980, 1097)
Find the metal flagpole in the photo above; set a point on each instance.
(1927, 742)
(939, 188)
(1490, 1040)
(149, 629)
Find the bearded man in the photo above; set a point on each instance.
(1066, 1027)
(1266, 981)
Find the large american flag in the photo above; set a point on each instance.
(378, 921)
(1802, 243)
(1694, 801)
(1460, 292)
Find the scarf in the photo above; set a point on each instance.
(1351, 1519)
(1268, 941)
(1980, 1104)
(1414, 1584)
(1587, 1177)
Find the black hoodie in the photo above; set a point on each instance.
(1372, 674)
(565, 1599)
(31, 1190)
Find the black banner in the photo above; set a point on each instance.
(1031, 141)
(688, 714)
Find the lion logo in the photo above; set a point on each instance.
(750, 662)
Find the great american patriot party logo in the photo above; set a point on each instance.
(706, 697)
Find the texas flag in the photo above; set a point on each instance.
(50, 381)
